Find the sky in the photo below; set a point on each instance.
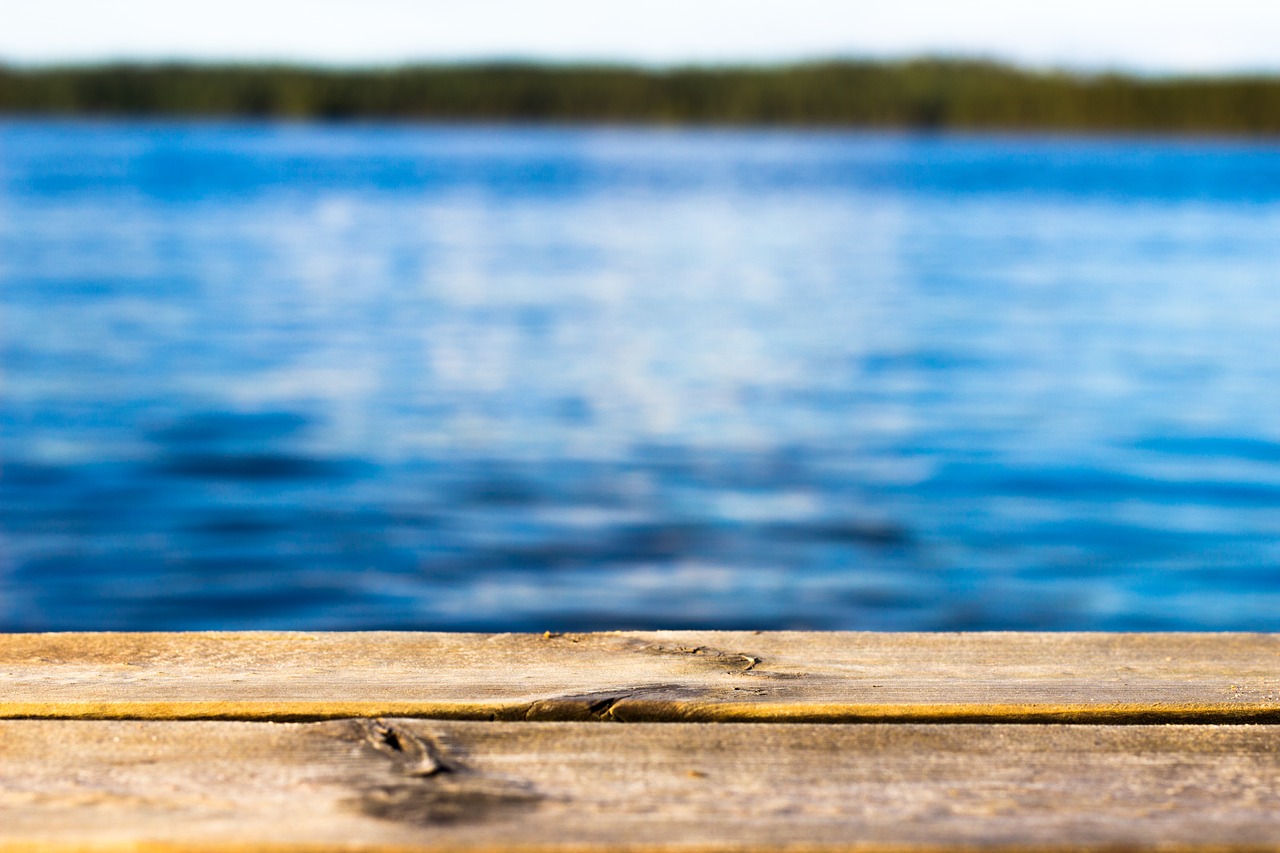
(1125, 35)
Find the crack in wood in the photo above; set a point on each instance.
(646, 702)
(423, 785)
(416, 757)
(739, 661)
(602, 710)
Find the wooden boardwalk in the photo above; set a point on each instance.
(732, 742)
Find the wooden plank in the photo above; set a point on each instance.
(466, 786)
(656, 676)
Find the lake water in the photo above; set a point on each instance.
(272, 376)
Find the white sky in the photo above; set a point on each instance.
(1177, 36)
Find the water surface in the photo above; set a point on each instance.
(273, 376)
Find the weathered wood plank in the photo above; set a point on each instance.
(656, 676)
(467, 786)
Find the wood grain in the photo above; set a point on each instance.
(464, 786)
(655, 676)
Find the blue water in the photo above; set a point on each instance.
(266, 376)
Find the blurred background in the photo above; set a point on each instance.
(538, 317)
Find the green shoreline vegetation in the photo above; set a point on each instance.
(917, 94)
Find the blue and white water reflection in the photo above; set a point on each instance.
(374, 377)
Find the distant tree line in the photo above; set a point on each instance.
(921, 94)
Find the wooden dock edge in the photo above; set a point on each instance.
(785, 677)
(739, 742)
(437, 786)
